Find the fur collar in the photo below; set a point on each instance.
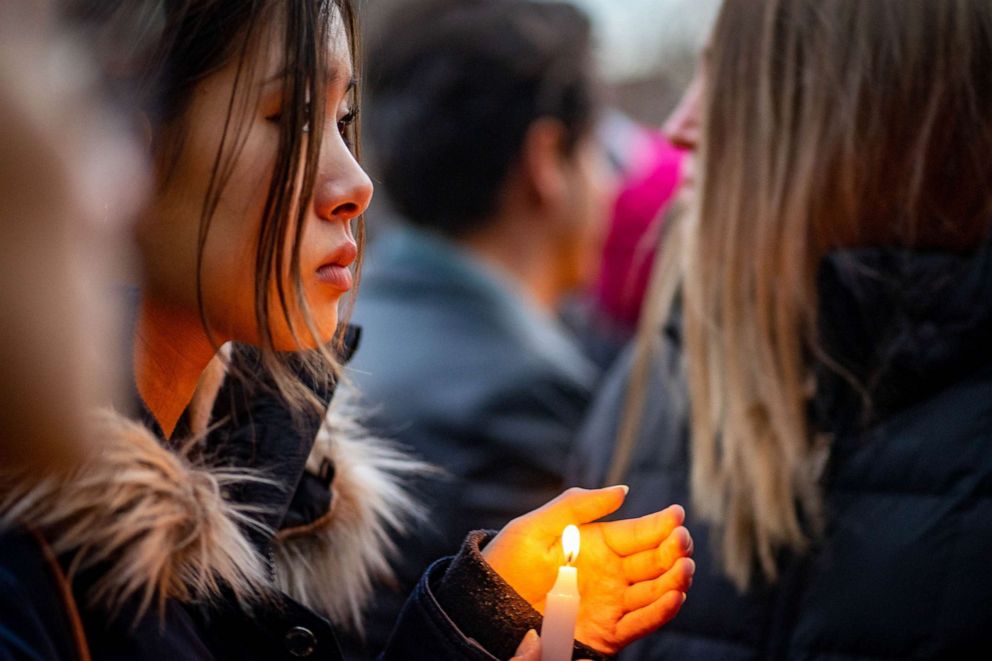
(156, 524)
(159, 527)
(333, 565)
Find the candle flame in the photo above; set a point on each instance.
(570, 543)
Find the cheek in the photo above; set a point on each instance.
(168, 238)
(228, 285)
(228, 280)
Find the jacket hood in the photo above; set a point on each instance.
(154, 525)
(897, 326)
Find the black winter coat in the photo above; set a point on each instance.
(904, 567)
(460, 609)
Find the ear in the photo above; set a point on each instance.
(544, 164)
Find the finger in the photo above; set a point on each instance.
(633, 535)
(643, 621)
(529, 649)
(577, 506)
(677, 579)
(652, 563)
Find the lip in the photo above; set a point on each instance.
(335, 271)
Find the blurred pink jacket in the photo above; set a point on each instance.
(629, 250)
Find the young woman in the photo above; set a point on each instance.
(821, 392)
(167, 547)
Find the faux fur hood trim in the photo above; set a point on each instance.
(333, 565)
(156, 524)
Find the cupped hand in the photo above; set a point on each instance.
(633, 573)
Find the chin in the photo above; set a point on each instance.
(283, 340)
(305, 343)
(325, 321)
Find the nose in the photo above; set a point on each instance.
(343, 189)
(682, 126)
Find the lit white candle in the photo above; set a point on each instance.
(562, 606)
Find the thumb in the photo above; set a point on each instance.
(529, 649)
(578, 506)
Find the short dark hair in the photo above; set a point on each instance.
(454, 86)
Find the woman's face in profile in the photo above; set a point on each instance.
(169, 232)
(682, 128)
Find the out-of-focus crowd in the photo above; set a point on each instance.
(234, 426)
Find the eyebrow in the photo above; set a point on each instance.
(332, 79)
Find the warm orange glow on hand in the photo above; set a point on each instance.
(633, 574)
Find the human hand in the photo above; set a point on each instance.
(530, 648)
(633, 573)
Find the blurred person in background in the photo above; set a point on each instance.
(819, 385)
(147, 549)
(71, 176)
(648, 168)
(651, 178)
(62, 155)
(484, 129)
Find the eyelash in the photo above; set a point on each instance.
(343, 124)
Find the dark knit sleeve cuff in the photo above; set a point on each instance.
(484, 606)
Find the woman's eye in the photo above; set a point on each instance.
(344, 124)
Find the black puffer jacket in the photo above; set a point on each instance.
(904, 568)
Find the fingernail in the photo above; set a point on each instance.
(625, 488)
(530, 642)
(684, 596)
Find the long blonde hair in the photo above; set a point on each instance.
(826, 123)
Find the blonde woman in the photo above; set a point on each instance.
(817, 383)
